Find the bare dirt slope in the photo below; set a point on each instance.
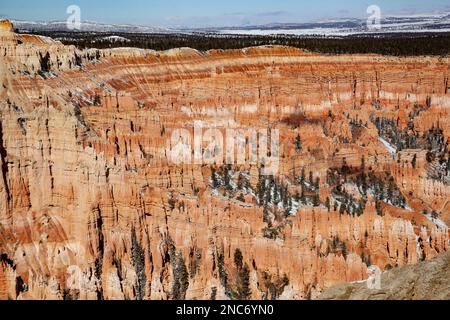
(424, 281)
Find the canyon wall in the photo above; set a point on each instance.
(92, 207)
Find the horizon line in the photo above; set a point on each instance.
(323, 20)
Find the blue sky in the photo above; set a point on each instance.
(211, 12)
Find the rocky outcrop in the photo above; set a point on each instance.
(92, 207)
(425, 281)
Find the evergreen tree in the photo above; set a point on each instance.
(238, 258)
(303, 177)
(344, 250)
(317, 184)
(302, 195)
(316, 200)
(414, 161)
(342, 209)
(138, 259)
(390, 191)
(327, 204)
(378, 208)
(97, 100)
(298, 144)
(311, 178)
(434, 214)
(181, 277)
(244, 291)
(261, 190)
(215, 182)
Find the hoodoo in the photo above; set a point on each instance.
(7, 32)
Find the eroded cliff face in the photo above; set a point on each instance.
(92, 207)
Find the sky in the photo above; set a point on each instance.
(204, 13)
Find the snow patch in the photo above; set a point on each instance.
(438, 222)
(388, 146)
(116, 39)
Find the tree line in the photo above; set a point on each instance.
(386, 44)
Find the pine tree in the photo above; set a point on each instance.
(317, 184)
(241, 182)
(414, 161)
(298, 144)
(378, 208)
(390, 191)
(261, 189)
(181, 278)
(328, 204)
(244, 291)
(302, 195)
(345, 170)
(311, 178)
(238, 258)
(302, 177)
(316, 200)
(97, 100)
(330, 177)
(434, 215)
(344, 250)
(343, 208)
(138, 259)
(215, 182)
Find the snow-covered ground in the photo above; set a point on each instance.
(337, 27)
(388, 146)
(306, 32)
(116, 39)
(344, 27)
(325, 31)
(437, 222)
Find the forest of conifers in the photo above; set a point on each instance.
(386, 44)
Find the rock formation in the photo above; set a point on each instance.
(92, 207)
